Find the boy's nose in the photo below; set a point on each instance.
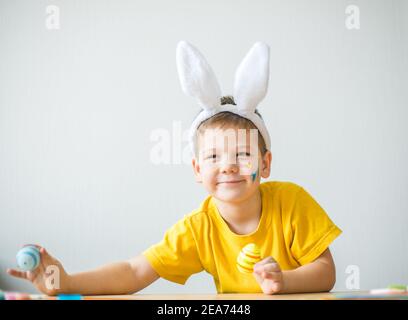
(228, 168)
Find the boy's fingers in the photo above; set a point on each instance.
(265, 261)
(31, 275)
(46, 258)
(271, 267)
(271, 275)
(17, 274)
(258, 277)
(44, 255)
(269, 271)
(26, 275)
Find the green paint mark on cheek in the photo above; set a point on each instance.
(254, 175)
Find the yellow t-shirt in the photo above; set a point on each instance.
(293, 229)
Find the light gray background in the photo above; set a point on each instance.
(78, 106)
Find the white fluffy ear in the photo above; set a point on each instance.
(251, 78)
(196, 76)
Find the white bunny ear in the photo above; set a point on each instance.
(196, 76)
(251, 78)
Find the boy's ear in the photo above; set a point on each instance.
(196, 169)
(266, 165)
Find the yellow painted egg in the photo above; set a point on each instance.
(248, 257)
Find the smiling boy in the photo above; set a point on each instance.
(289, 226)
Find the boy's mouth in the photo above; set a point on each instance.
(230, 182)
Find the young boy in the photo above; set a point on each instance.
(292, 231)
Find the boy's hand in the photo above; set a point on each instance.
(49, 277)
(269, 275)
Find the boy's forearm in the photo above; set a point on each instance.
(114, 278)
(313, 277)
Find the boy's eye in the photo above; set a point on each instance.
(243, 154)
(211, 157)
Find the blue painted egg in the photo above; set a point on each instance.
(28, 258)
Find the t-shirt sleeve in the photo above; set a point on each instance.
(175, 258)
(312, 229)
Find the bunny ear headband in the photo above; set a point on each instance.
(250, 86)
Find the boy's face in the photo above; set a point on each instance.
(229, 163)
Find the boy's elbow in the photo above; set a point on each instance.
(330, 279)
(131, 291)
(332, 282)
(328, 271)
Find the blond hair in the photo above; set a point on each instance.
(227, 119)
